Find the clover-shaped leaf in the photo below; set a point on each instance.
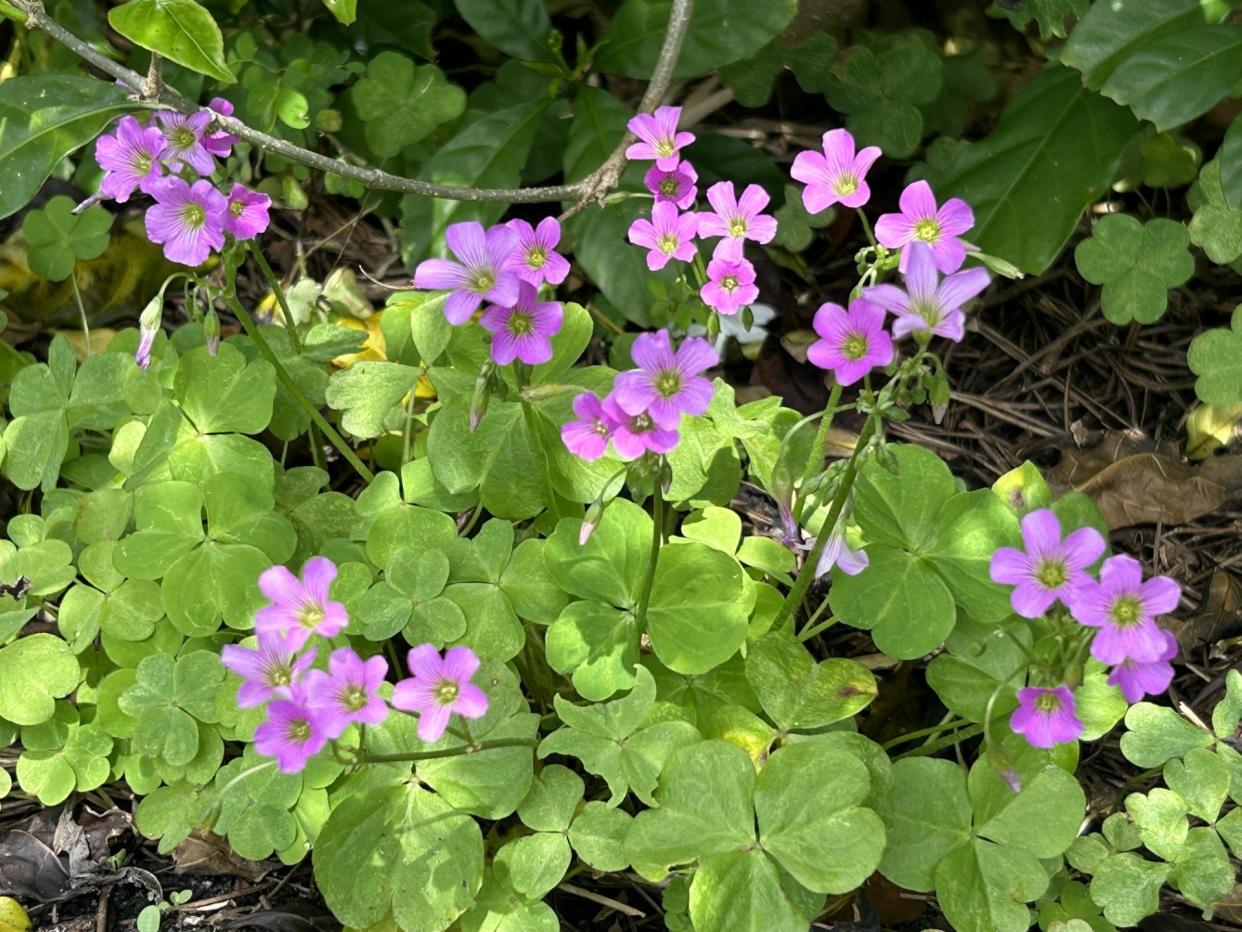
(598, 836)
(62, 755)
(1202, 871)
(34, 671)
(1216, 358)
(1161, 819)
(58, 238)
(798, 693)
(1201, 779)
(609, 741)
(1050, 15)
(1216, 226)
(795, 225)
(1157, 734)
(1128, 887)
(1137, 263)
(169, 698)
(393, 84)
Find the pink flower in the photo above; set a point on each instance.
(668, 235)
(525, 330)
(246, 215)
(300, 608)
(636, 434)
(1123, 607)
(1051, 568)
(838, 553)
(187, 219)
(534, 258)
(348, 694)
(479, 275)
(677, 185)
(1138, 678)
(736, 219)
(220, 143)
(922, 221)
(852, 343)
(660, 139)
(929, 303)
(440, 687)
(184, 137)
(268, 670)
(666, 384)
(837, 176)
(130, 158)
(587, 438)
(730, 285)
(292, 733)
(1045, 717)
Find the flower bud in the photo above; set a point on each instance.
(938, 394)
(211, 331)
(148, 327)
(481, 395)
(591, 521)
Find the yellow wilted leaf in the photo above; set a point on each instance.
(375, 349)
(12, 917)
(1209, 428)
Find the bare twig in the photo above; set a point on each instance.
(591, 188)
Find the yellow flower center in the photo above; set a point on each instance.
(142, 163)
(1126, 611)
(854, 348)
(183, 137)
(1051, 574)
(1048, 702)
(640, 423)
(845, 185)
(668, 383)
(193, 215)
(482, 281)
(668, 244)
(729, 283)
(668, 187)
(354, 698)
(279, 676)
(664, 148)
(520, 324)
(237, 208)
(737, 227)
(927, 231)
(446, 692)
(299, 731)
(536, 257)
(310, 615)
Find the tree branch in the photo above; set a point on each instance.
(591, 188)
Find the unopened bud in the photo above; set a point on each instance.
(938, 394)
(481, 395)
(148, 327)
(211, 331)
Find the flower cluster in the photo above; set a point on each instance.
(171, 159)
(643, 411)
(308, 706)
(674, 225)
(1117, 605)
(502, 267)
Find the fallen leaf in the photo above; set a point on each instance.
(204, 853)
(1133, 483)
(1219, 617)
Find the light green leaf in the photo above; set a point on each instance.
(1157, 734)
(898, 506)
(598, 836)
(984, 887)
(1161, 820)
(1202, 871)
(181, 30)
(1042, 818)
(1201, 779)
(1128, 888)
(554, 796)
(34, 671)
(1216, 226)
(697, 616)
(597, 645)
(742, 891)
(224, 393)
(533, 864)
(609, 567)
(1231, 163)
(800, 694)
(930, 817)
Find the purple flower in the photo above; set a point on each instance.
(1138, 678)
(666, 384)
(1050, 568)
(130, 158)
(838, 553)
(300, 608)
(246, 214)
(348, 694)
(676, 185)
(292, 733)
(587, 437)
(635, 434)
(148, 328)
(534, 258)
(668, 235)
(268, 670)
(928, 303)
(480, 275)
(187, 219)
(1045, 717)
(523, 331)
(438, 687)
(837, 176)
(922, 221)
(851, 343)
(730, 285)
(1124, 608)
(184, 136)
(736, 219)
(220, 143)
(660, 139)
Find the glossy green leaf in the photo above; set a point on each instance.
(609, 567)
(1050, 15)
(1231, 164)
(44, 118)
(597, 645)
(182, 31)
(1055, 135)
(225, 393)
(697, 615)
(517, 27)
(1109, 33)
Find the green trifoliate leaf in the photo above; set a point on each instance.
(1216, 227)
(533, 864)
(1161, 820)
(1042, 817)
(598, 836)
(1050, 15)
(697, 615)
(393, 84)
(1128, 887)
(1156, 734)
(62, 756)
(1216, 358)
(224, 393)
(58, 238)
(34, 671)
(1202, 871)
(609, 567)
(552, 800)
(1201, 780)
(1137, 263)
(984, 887)
(800, 694)
(795, 225)
(597, 645)
(168, 699)
(977, 660)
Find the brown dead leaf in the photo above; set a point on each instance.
(1219, 617)
(205, 853)
(1132, 483)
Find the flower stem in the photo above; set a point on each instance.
(657, 538)
(274, 284)
(948, 724)
(807, 573)
(815, 461)
(866, 225)
(282, 375)
(448, 752)
(77, 296)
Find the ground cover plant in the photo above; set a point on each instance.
(511, 466)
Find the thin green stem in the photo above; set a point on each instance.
(473, 748)
(282, 375)
(807, 574)
(77, 296)
(657, 539)
(946, 724)
(812, 628)
(815, 461)
(960, 735)
(866, 225)
(274, 283)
